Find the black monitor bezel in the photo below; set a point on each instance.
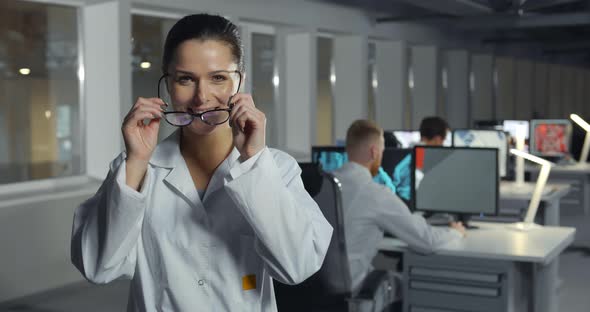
(414, 202)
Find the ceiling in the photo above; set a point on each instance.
(551, 29)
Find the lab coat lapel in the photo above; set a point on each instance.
(167, 155)
(218, 179)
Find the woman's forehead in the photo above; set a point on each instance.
(208, 55)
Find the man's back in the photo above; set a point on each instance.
(370, 210)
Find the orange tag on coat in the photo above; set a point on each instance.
(249, 282)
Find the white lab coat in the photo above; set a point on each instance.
(370, 210)
(256, 223)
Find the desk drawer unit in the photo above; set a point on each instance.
(573, 203)
(451, 284)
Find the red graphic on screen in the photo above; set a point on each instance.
(551, 139)
(420, 158)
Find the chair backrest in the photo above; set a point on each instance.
(333, 278)
(332, 283)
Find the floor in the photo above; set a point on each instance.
(574, 294)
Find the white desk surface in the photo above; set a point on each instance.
(552, 191)
(579, 168)
(497, 242)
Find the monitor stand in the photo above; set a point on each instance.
(464, 218)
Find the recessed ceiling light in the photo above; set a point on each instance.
(145, 65)
(24, 71)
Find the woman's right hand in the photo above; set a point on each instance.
(141, 139)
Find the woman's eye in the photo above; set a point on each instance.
(218, 78)
(184, 79)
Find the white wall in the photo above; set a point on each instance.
(300, 97)
(350, 87)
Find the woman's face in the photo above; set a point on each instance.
(202, 77)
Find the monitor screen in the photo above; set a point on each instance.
(514, 126)
(550, 137)
(484, 138)
(331, 157)
(456, 180)
(397, 163)
(409, 139)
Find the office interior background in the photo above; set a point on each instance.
(71, 69)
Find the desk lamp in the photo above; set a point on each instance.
(582, 123)
(529, 219)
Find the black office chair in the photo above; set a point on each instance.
(330, 289)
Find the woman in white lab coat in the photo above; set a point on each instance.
(206, 219)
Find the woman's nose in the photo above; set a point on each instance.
(202, 93)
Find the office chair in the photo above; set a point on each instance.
(330, 289)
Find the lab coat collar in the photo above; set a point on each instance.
(167, 155)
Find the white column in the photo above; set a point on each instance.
(392, 79)
(350, 87)
(425, 91)
(300, 94)
(107, 60)
(457, 104)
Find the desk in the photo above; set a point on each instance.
(491, 269)
(514, 203)
(578, 176)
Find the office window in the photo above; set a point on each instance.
(265, 81)
(40, 133)
(372, 82)
(325, 101)
(148, 36)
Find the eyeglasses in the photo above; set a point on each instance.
(219, 83)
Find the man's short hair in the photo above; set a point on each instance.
(362, 131)
(431, 127)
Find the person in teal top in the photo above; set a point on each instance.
(433, 131)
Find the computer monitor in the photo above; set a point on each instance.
(331, 157)
(394, 163)
(397, 162)
(409, 138)
(457, 180)
(550, 137)
(484, 138)
(513, 126)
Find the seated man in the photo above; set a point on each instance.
(370, 209)
(433, 131)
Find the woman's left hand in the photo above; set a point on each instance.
(248, 126)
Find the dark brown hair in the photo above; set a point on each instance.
(203, 27)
